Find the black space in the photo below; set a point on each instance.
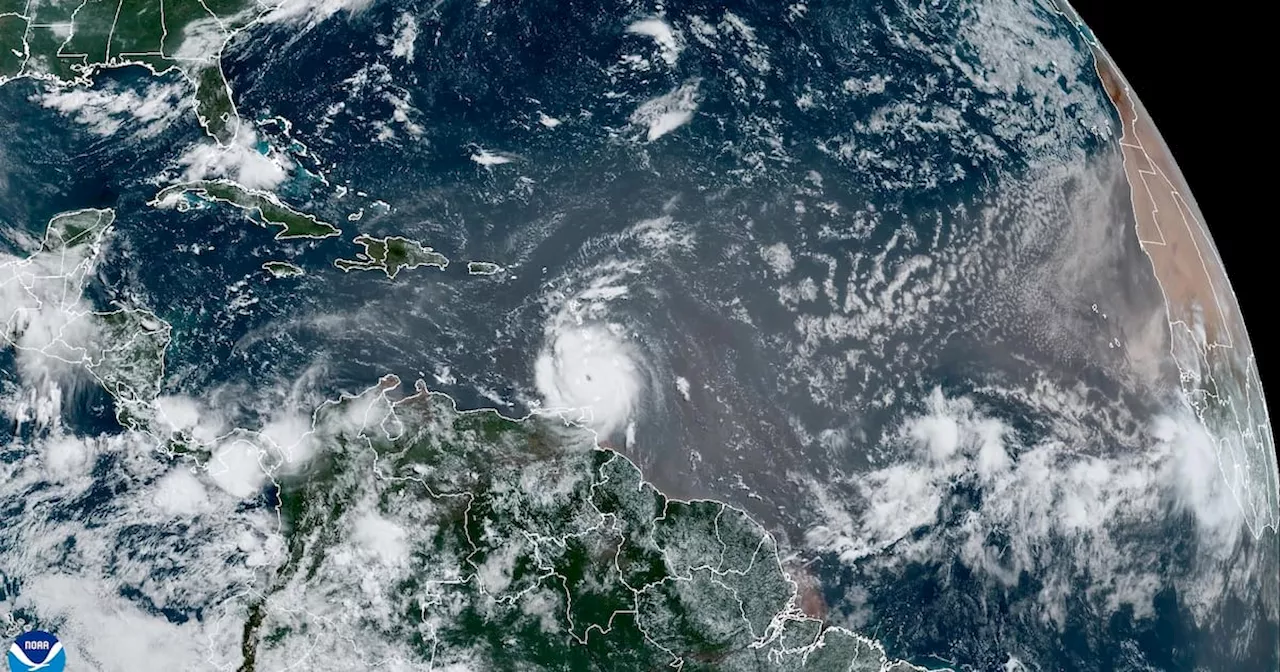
(1199, 74)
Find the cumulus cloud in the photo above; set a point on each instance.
(965, 486)
(108, 631)
(402, 45)
(779, 258)
(393, 112)
(487, 158)
(312, 12)
(202, 41)
(669, 43)
(46, 320)
(382, 538)
(240, 161)
(180, 493)
(162, 541)
(105, 111)
(1197, 473)
(289, 434)
(662, 234)
(667, 112)
(175, 414)
(68, 457)
(176, 535)
(237, 468)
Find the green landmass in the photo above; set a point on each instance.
(468, 540)
(264, 208)
(138, 29)
(76, 229)
(520, 544)
(68, 41)
(12, 29)
(483, 268)
(282, 269)
(391, 255)
(53, 13)
(90, 31)
(123, 348)
(250, 636)
(214, 108)
(43, 42)
(130, 362)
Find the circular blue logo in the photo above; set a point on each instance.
(36, 650)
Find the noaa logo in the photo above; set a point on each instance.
(36, 650)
